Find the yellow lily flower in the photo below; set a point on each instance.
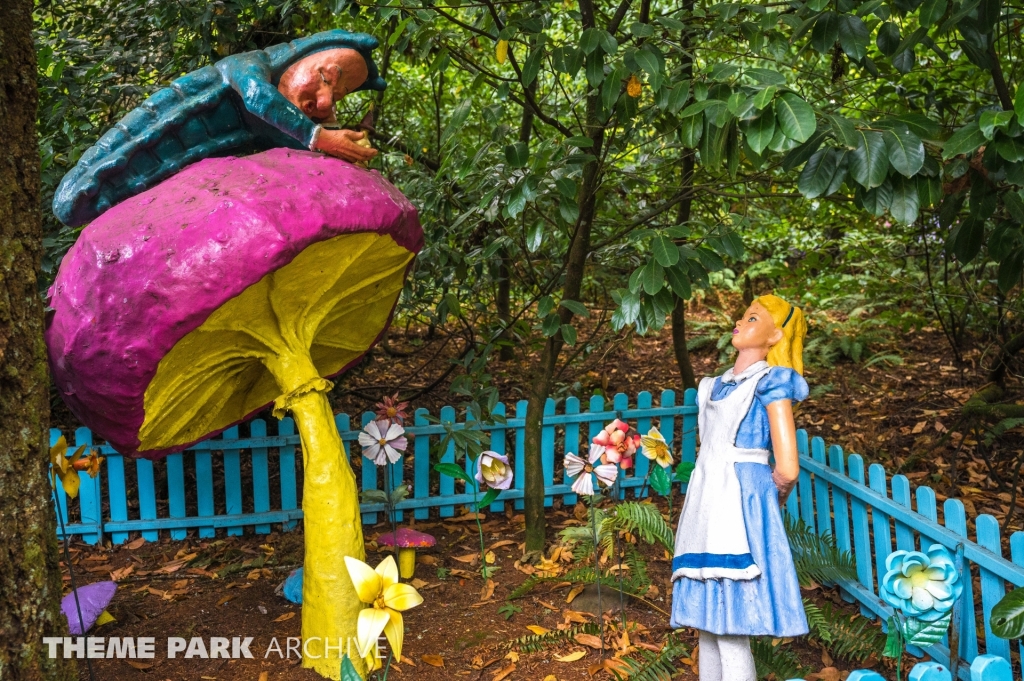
(65, 468)
(655, 447)
(388, 598)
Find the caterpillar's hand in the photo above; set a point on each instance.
(347, 145)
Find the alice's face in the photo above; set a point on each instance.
(316, 82)
(755, 330)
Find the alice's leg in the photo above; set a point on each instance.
(709, 661)
(736, 659)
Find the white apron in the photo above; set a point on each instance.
(711, 540)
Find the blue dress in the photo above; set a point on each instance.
(770, 604)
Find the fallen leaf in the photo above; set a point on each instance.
(503, 672)
(140, 665)
(572, 657)
(285, 617)
(135, 544)
(588, 640)
(503, 542)
(574, 592)
(489, 557)
(918, 427)
(433, 660)
(573, 616)
(487, 591)
(408, 661)
(512, 656)
(471, 558)
(550, 677)
(427, 560)
(826, 659)
(548, 605)
(264, 676)
(540, 631)
(121, 573)
(418, 583)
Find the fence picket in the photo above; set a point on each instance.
(547, 450)
(204, 491)
(260, 474)
(572, 444)
(520, 476)
(369, 469)
(880, 520)
(901, 495)
(286, 459)
(992, 589)
(821, 500)
(641, 464)
(861, 531)
(803, 490)
(956, 521)
(232, 478)
(1017, 556)
(840, 507)
(90, 495)
(147, 495)
(117, 494)
(176, 492)
(689, 435)
(447, 484)
(498, 445)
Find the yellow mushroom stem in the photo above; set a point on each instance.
(407, 561)
(331, 521)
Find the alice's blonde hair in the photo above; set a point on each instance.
(788, 352)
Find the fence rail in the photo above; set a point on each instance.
(868, 512)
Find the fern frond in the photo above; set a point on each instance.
(644, 520)
(652, 666)
(850, 637)
(777, 660)
(816, 556)
(631, 586)
(536, 642)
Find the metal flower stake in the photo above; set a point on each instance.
(922, 588)
(383, 442)
(584, 471)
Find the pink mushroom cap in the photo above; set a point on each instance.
(406, 539)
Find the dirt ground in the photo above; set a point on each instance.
(904, 416)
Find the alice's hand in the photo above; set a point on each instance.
(347, 145)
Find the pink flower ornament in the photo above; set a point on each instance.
(493, 470)
(619, 446)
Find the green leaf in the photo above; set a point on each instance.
(544, 306)
(845, 132)
(595, 69)
(590, 40)
(853, 36)
(683, 471)
(932, 11)
(888, 39)
(904, 60)
(453, 470)
(567, 60)
(893, 642)
(648, 61)
(1009, 276)
(911, 41)
(607, 41)
(679, 281)
(990, 121)
(532, 65)
(1014, 206)
(568, 334)
(817, 174)
(488, 498)
(641, 30)
(924, 634)
(968, 238)
(549, 327)
(963, 141)
(765, 76)
(1018, 104)
(826, 32)
(796, 117)
(569, 210)
(458, 117)
(868, 162)
(653, 277)
(905, 203)
(518, 154)
(678, 96)
(1011, 148)
(906, 151)
(700, 107)
(799, 155)
(348, 671)
(630, 307)
(665, 252)
(576, 307)
(660, 481)
(759, 132)
(876, 201)
(535, 237)
(764, 97)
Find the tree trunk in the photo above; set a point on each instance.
(30, 584)
(504, 305)
(682, 353)
(576, 262)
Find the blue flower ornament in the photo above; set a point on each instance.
(922, 586)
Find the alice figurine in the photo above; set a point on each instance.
(733, 573)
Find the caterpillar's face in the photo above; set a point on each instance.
(755, 329)
(316, 82)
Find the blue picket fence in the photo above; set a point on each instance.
(229, 486)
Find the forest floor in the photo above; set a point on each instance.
(903, 415)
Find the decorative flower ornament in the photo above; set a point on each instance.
(922, 586)
(619, 445)
(493, 470)
(388, 598)
(390, 409)
(581, 470)
(382, 441)
(66, 468)
(655, 448)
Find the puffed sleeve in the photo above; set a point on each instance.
(781, 383)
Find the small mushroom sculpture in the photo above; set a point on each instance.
(233, 285)
(407, 540)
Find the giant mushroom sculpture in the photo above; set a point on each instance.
(235, 284)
